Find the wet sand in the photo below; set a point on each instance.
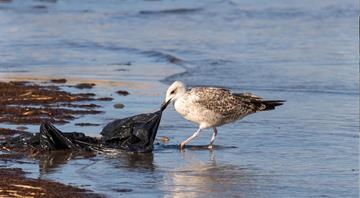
(13, 183)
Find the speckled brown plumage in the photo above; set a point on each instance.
(230, 105)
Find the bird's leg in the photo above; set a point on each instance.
(211, 145)
(190, 138)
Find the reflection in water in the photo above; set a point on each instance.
(208, 179)
(134, 160)
(51, 161)
(192, 147)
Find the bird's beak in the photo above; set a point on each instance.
(164, 105)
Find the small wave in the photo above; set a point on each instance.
(270, 13)
(288, 14)
(309, 90)
(95, 45)
(160, 56)
(164, 57)
(40, 7)
(171, 11)
(189, 73)
(343, 135)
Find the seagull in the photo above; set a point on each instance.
(211, 107)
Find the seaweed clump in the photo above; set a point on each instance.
(24, 102)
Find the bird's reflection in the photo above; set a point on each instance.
(192, 147)
(197, 178)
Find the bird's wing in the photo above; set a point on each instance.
(223, 102)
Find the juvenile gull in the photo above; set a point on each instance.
(213, 107)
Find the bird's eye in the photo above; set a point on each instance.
(172, 92)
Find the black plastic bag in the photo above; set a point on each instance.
(136, 133)
(53, 139)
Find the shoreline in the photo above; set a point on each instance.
(19, 176)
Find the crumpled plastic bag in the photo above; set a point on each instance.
(51, 138)
(136, 133)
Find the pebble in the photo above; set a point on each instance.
(119, 106)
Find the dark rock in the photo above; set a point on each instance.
(122, 92)
(122, 190)
(85, 85)
(61, 80)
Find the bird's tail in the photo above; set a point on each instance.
(266, 105)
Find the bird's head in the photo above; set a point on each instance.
(175, 91)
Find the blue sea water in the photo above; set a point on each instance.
(305, 52)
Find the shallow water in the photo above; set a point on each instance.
(304, 52)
